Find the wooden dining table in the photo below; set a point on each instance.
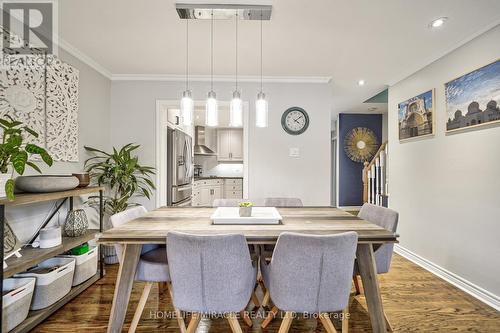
(154, 227)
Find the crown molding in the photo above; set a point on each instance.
(414, 69)
(220, 78)
(84, 58)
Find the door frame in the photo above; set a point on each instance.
(161, 125)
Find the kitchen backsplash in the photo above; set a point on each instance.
(212, 168)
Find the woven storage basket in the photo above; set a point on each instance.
(51, 287)
(16, 304)
(85, 265)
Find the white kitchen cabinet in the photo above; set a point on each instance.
(206, 191)
(230, 145)
(174, 120)
(233, 188)
(174, 117)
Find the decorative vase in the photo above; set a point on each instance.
(76, 223)
(4, 177)
(245, 211)
(83, 178)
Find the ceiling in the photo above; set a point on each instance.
(380, 41)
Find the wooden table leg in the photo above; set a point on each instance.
(123, 287)
(368, 272)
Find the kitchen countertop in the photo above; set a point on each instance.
(215, 177)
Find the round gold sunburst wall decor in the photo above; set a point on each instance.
(360, 144)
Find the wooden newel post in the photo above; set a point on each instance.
(365, 181)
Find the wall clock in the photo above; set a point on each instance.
(360, 144)
(295, 120)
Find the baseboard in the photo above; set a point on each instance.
(349, 207)
(459, 282)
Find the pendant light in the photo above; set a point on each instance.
(211, 109)
(236, 110)
(187, 105)
(261, 111)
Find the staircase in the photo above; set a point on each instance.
(375, 178)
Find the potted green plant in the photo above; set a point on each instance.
(245, 209)
(124, 178)
(15, 153)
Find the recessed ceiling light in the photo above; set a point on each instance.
(361, 82)
(438, 22)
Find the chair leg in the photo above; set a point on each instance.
(387, 323)
(286, 323)
(327, 323)
(270, 317)
(260, 281)
(356, 284)
(255, 300)
(345, 320)
(233, 322)
(193, 323)
(266, 299)
(178, 314)
(246, 318)
(140, 307)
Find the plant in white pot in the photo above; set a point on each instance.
(123, 177)
(245, 209)
(15, 154)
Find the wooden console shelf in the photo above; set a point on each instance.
(30, 198)
(33, 256)
(36, 317)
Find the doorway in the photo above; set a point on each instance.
(167, 116)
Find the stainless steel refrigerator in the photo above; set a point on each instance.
(179, 168)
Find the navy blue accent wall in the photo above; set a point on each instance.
(350, 172)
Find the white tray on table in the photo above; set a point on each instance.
(260, 215)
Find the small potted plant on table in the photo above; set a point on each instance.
(245, 209)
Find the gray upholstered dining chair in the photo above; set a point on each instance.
(151, 268)
(310, 274)
(387, 219)
(211, 275)
(267, 250)
(283, 202)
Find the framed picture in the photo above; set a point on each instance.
(416, 116)
(472, 99)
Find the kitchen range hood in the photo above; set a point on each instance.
(199, 142)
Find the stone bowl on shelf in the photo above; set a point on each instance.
(46, 183)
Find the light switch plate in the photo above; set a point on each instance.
(294, 152)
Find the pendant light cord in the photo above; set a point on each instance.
(212, 52)
(187, 54)
(261, 51)
(236, 50)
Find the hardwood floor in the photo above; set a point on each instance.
(414, 300)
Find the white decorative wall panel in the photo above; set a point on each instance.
(22, 96)
(62, 111)
(44, 98)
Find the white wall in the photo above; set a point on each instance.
(446, 188)
(271, 171)
(93, 123)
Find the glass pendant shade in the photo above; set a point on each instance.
(211, 110)
(261, 110)
(187, 108)
(236, 111)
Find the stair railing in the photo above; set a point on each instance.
(375, 178)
